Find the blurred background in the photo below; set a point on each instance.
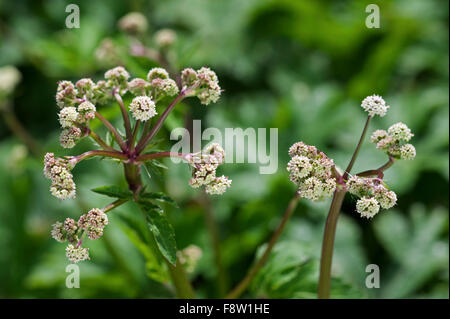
(300, 66)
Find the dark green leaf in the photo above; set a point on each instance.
(161, 229)
(114, 191)
(159, 197)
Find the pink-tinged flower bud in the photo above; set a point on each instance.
(139, 87)
(69, 136)
(66, 94)
(375, 105)
(164, 87)
(58, 232)
(218, 186)
(118, 77)
(378, 135)
(392, 141)
(188, 77)
(133, 23)
(75, 254)
(143, 108)
(85, 87)
(93, 223)
(58, 171)
(208, 89)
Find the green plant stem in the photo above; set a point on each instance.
(111, 128)
(126, 118)
(113, 154)
(240, 288)
(379, 171)
(99, 140)
(16, 127)
(151, 156)
(328, 244)
(133, 137)
(177, 273)
(215, 240)
(358, 147)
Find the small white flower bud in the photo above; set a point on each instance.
(133, 23)
(68, 116)
(164, 87)
(76, 255)
(367, 207)
(157, 73)
(375, 105)
(208, 89)
(400, 132)
(407, 152)
(218, 186)
(9, 78)
(386, 198)
(378, 135)
(117, 77)
(165, 37)
(299, 167)
(189, 257)
(84, 87)
(143, 108)
(86, 111)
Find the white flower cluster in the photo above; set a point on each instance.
(76, 254)
(375, 105)
(393, 141)
(311, 171)
(205, 164)
(93, 223)
(203, 83)
(70, 231)
(143, 108)
(189, 257)
(58, 171)
(373, 195)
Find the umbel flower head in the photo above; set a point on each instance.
(375, 105)
(393, 141)
(133, 23)
(204, 165)
(204, 84)
(373, 194)
(58, 171)
(92, 223)
(312, 171)
(189, 257)
(143, 108)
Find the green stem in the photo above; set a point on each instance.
(16, 127)
(214, 236)
(358, 147)
(182, 285)
(240, 288)
(126, 118)
(181, 282)
(111, 128)
(328, 244)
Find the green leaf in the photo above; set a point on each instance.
(161, 230)
(159, 197)
(153, 169)
(114, 191)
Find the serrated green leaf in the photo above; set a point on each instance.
(161, 230)
(159, 197)
(114, 191)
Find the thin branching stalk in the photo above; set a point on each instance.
(112, 154)
(126, 118)
(147, 138)
(133, 137)
(379, 171)
(242, 286)
(100, 141)
(112, 129)
(358, 147)
(152, 156)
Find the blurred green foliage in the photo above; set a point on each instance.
(300, 66)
